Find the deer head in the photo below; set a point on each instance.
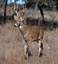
(19, 16)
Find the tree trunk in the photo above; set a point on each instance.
(5, 10)
(37, 5)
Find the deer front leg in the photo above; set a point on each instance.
(26, 51)
(40, 47)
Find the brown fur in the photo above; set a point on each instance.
(33, 33)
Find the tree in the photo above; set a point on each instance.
(5, 10)
(37, 5)
(57, 4)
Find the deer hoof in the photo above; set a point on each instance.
(40, 54)
(26, 56)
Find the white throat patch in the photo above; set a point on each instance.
(20, 27)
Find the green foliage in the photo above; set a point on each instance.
(46, 1)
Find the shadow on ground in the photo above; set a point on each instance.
(2, 21)
(49, 25)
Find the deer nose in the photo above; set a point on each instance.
(15, 25)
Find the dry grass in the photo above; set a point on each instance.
(11, 47)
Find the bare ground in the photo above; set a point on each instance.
(11, 47)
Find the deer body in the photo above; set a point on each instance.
(30, 33)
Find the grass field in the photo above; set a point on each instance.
(11, 47)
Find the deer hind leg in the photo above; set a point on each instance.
(40, 44)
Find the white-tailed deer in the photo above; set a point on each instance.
(30, 33)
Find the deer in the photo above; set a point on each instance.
(30, 33)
